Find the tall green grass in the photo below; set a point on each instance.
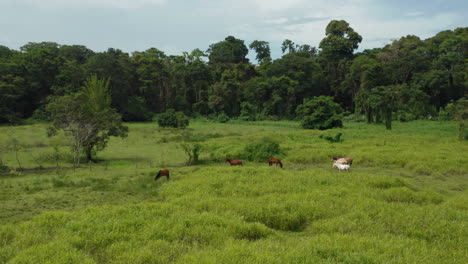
(405, 200)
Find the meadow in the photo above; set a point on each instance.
(404, 201)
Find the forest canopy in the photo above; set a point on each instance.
(419, 77)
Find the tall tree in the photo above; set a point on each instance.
(262, 48)
(337, 50)
(383, 101)
(230, 50)
(14, 99)
(41, 63)
(153, 73)
(87, 117)
(116, 65)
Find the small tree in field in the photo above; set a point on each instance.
(87, 118)
(320, 112)
(459, 111)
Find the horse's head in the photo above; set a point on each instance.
(227, 160)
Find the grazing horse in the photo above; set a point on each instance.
(234, 162)
(275, 161)
(162, 173)
(342, 160)
(341, 167)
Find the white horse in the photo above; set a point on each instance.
(341, 167)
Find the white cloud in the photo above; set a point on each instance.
(176, 25)
(122, 4)
(276, 21)
(364, 17)
(414, 14)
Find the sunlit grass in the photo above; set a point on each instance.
(404, 201)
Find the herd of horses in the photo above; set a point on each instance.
(341, 163)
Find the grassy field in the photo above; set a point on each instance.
(405, 200)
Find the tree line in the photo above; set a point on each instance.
(409, 78)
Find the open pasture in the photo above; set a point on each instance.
(404, 201)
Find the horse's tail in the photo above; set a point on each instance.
(281, 164)
(157, 175)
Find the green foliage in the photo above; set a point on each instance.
(262, 48)
(248, 112)
(262, 150)
(384, 100)
(320, 113)
(87, 117)
(137, 110)
(405, 116)
(40, 114)
(336, 139)
(174, 119)
(459, 111)
(230, 50)
(340, 41)
(192, 151)
(222, 117)
(150, 81)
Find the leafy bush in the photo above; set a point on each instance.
(222, 118)
(262, 150)
(137, 110)
(40, 115)
(459, 111)
(406, 116)
(444, 115)
(320, 112)
(171, 118)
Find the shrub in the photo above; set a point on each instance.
(222, 118)
(40, 115)
(459, 111)
(262, 150)
(406, 116)
(192, 151)
(172, 118)
(320, 113)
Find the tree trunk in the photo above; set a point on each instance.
(461, 131)
(89, 155)
(369, 116)
(388, 119)
(378, 117)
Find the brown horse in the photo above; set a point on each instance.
(275, 161)
(162, 173)
(342, 160)
(234, 162)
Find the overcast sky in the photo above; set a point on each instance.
(176, 25)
